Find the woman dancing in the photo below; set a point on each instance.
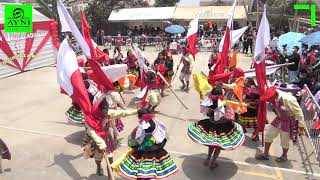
(219, 131)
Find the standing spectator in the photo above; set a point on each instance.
(140, 30)
(249, 43)
(135, 31)
(293, 69)
(102, 37)
(119, 40)
(244, 42)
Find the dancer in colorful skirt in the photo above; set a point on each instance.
(249, 118)
(159, 66)
(74, 113)
(219, 131)
(148, 159)
(99, 140)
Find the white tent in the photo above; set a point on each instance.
(153, 13)
(24, 51)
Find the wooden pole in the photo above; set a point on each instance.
(165, 81)
(109, 169)
(175, 74)
(262, 138)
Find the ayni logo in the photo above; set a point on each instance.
(17, 18)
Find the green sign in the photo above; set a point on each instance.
(17, 18)
(312, 8)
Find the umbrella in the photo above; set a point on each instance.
(312, 39)
(290, 39)
(175, 29)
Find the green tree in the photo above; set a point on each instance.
(165, 3)
(48, 8)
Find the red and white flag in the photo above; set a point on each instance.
(68, 25)
(70, 80)
(192, 36)
(263, 40)
(223, 57)
(68, 72)
(236, 35)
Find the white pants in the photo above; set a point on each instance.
(184, 76)
(273, 132)
(154, 97)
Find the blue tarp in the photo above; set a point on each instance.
(290, 39)
(312, 39)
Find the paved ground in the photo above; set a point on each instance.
(45, 146)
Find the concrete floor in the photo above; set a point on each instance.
(45, 146)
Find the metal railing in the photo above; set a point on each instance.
(207, 44)
(311, 111)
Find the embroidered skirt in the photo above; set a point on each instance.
(75, 116)
(249, 119)
(226, 136)
(155, 164)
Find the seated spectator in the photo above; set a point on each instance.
(305, 78)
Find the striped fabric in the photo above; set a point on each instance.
(226, 141)
(133, 168)
(248, 122)
(75, 116)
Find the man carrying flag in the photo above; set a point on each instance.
(97, 116)
(285, 106)
(189, 54)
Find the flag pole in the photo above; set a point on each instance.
(109, 169)
(165, 81)
(175, 74)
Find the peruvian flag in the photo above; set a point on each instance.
(68, 72)
(71, 82)
(192, 36)
(223, 57)
(101, 78)
(263, 40)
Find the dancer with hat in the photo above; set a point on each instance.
(148, 159)
(151, 98)
(98, 138)
(289, 116)
(251, 98)
(74, 113)
(218, 131)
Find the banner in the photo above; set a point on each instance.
(236, 34)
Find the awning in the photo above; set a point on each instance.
(208, 12)
(132, 14)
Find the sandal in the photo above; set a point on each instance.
(262, 157)
(282, 159)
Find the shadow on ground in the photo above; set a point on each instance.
(64, 161)
(251, 144)
(75, 138)
(193, 168)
